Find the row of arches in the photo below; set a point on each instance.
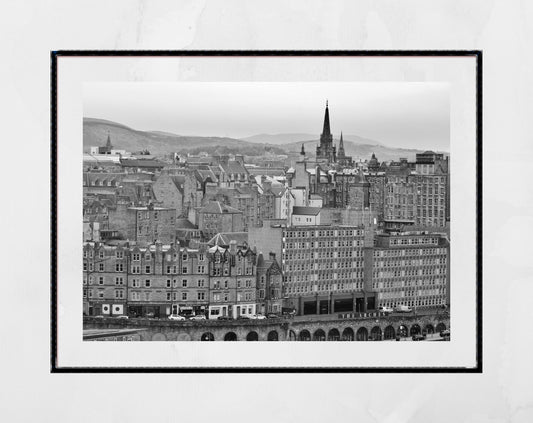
(348, 334)
(362, 334)
(232, 336)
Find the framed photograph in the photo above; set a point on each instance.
(325, 204)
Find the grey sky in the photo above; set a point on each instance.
(410, 115)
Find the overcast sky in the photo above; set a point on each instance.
(409, 115)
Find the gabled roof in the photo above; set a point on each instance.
(306, 211)
(218, 208)
(224, 238)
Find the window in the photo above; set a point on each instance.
(184, 296)
(100, 280)
(101, 254)
(226, 284)
(136, 269)
(201, 296)
(184, 270)
(147, 283)
(101, 267)
(201, 257)
(147, 257)
(84, 266)
(100, 294)
(147, 269)
(119, 267)
(169, 270)
(184, 257)
(168, 296)
(169, 282)
(136, 257)
(147, 296)
(119, 280)
(201, 269)
(120, 254)
(201, 283)
(119, 294)
(135, 283)
(85, 254)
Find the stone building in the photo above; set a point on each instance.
(140, 279)
(232, 281)
(146, 224)
(217, 217)
(408, 268)
(269, 284)
(322, 266)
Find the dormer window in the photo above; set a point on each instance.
(184, 257)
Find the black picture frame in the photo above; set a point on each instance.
(478, 368)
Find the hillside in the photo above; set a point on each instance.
(359, 151)
(282, 139)
(159, 143)
(162, 143)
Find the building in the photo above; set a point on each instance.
(269, 284)
(433, 191)
(322, 266)
(140, 279)
(143, 223)
(232, 281)
(305, 216)
(408, 268)
(217, 217)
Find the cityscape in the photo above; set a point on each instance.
(263, 243)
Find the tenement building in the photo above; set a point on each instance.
(139, 279)
(322, 266)
(408, 268)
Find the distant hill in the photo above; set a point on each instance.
(160, 143)
(358, 151)
(282, 139)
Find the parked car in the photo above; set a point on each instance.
(288, 311)
(241, 317)
(149, 315)
(258, 316)
(419, 337)
(198, 317)
(99, 316)
(122, 316)
(444, 333)
(225, 318)
(385, 309)
(176, 317)
(273, 316)
(403, 309)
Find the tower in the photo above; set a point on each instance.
(341, 147)
(342, 158)
(326, 151)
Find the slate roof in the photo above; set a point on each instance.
(218, 208)
(306, 211)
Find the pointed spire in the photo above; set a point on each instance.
(341, 147)
(108, 144)
(302, 151)
(326, 130)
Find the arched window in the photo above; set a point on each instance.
(273, 336)
(319, 335)
(305, 335)
(230, 336)
(334, 335)
(376, 333)
(252, 336)
(347, 334)
(362, 334)
(208, 336)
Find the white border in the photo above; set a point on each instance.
(458, 71)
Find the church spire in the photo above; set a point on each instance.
(302, 151)
(108, 144)
(341, 148)
(326, 131)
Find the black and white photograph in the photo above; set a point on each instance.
(266, 212)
